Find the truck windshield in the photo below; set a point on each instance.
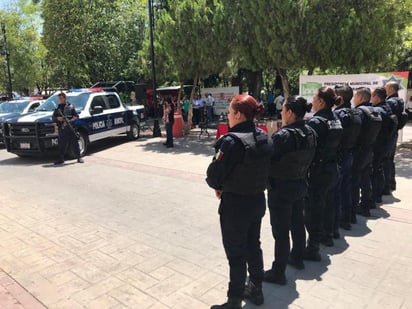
(13, 107)
(78, 101)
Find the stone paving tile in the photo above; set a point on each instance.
(104, 301)
(91, 293)
(14, 296)
(137, 278)
(168, 286)
(180, 300)
(162, 253)
(132, 297)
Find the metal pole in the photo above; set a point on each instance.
(156, 126)
(7, 53)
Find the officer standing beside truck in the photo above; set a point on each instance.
(64, 115)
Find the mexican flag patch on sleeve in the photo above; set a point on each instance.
(218, 155)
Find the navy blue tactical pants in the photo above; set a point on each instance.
(286, 200)
(389, 167)
(68, 140)
(320, 204)
(343, 193)
(169, 134)
(240, 222)
(362, 179)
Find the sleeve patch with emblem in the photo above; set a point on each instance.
(218, 155)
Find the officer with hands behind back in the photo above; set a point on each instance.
(397, 106)
(363, 154)
(294, 149)
(67, 137)
(384, 143)
(239, 174)
(323, 174)
(351, 123)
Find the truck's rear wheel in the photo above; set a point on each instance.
(134, 132)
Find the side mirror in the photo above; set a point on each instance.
(96, 110)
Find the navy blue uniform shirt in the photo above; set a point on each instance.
(229, 152)
(284, 141)
(68, 110)
(320, 127)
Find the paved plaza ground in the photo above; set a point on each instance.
(137, 227)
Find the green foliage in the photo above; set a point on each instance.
(194, 34)
(79, 42)
(95, 40)
(24, 45)
(405, 53)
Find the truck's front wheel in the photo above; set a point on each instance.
(134, 132)
(83, 143)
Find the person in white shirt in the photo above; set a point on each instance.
(279, 103)
(210, 102)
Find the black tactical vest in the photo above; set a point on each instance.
(397, 106)
(251, 175)
(370, 128)
(294, 165)
(328, 151)
(351, 123)
(389, 123)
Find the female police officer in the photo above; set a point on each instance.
(239, 173)
(323, 173)
(294, 148)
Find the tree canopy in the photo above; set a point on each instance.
(62, 43)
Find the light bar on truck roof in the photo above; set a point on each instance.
(86, 89)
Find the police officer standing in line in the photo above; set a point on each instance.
(294, 149)
(351, 123)
(67, 137)
(239, 174)
(363, 154)
(384, 142)
(323, 174)
(398, 108)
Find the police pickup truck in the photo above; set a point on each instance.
(101, 115)
(12, 109)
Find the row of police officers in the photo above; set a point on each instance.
(318, 173)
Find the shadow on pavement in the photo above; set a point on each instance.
(28, 161)
(47, 159)
(189, 144)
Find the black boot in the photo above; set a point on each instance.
(295, 262)
(363, 211)
(273, 276)
(353, 218)
(327, 240)
(254, 293)
(311, 255)
(232, 303)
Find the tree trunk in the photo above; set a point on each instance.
(285, 83)
(310, 72)
(192, 95)
(254, 82)
(179, 98)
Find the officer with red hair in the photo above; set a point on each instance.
(239, 175)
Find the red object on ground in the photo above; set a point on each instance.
(222, 129)
(178, 125)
